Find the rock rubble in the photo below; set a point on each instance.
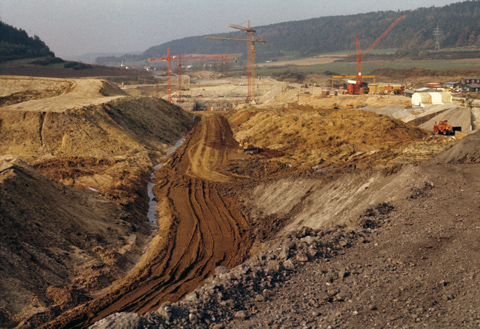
(232, 294)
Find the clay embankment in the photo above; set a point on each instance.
(198, 230)
(78, 240)
(58, 245)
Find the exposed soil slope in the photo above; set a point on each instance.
(411, 262)
(89, 135)
(198, 230)
(109, 145)
(58, 245)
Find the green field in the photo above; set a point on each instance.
(367, 67)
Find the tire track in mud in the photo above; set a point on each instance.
(207, 230)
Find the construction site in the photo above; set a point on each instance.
(211, 201)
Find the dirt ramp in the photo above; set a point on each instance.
(16, 90)
(288, 204)
(465, 151)
(110, 89)
(459, 116)
(55, 239)
(199, 230)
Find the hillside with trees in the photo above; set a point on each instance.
(17, 44)
(458, 21)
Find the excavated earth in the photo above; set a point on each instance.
(76, 157)
(345, 219)
(396, 247)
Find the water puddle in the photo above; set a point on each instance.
(152, 203)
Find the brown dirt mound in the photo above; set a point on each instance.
(124, 125)
(85, 134)
(16, 90)
(465, 151)
(320, 136)
(53, 235)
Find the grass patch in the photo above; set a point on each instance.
(350, 68)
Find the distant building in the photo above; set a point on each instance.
(470, 84)
(376, 88)
(467, 81)
(431, 98)
(451, 84)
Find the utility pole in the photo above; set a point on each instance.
(437, 33)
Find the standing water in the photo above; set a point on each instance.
(152, 204)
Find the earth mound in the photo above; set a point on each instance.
(400, 249)
(14, 89)
(465, 151)
(324, 137)
(54, 238)
(89, 135)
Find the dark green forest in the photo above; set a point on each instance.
(16, 44)
(460, 23)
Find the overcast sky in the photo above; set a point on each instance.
(76, 27)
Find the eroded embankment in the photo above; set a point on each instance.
(58, 245)
(75, 242)
(199, 230)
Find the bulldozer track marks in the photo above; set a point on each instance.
(208, 229)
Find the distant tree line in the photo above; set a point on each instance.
(16, 44)
(414, 33)
(292, 75)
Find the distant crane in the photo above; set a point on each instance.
(168, 58)
(358, 83)
(250, 56)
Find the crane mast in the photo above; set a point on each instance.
(359, 55)
(250, 56)
(179, 58)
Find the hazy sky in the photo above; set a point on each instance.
(76, 27)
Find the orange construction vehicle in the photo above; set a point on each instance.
(249, 148)
(444, 128)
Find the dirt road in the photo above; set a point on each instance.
(203, 230)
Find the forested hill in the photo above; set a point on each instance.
(459, 23)
(16, 44)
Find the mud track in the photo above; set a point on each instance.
(206, 230)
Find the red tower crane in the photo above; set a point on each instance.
(358, 83)
(168, 58)
(250, 56)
